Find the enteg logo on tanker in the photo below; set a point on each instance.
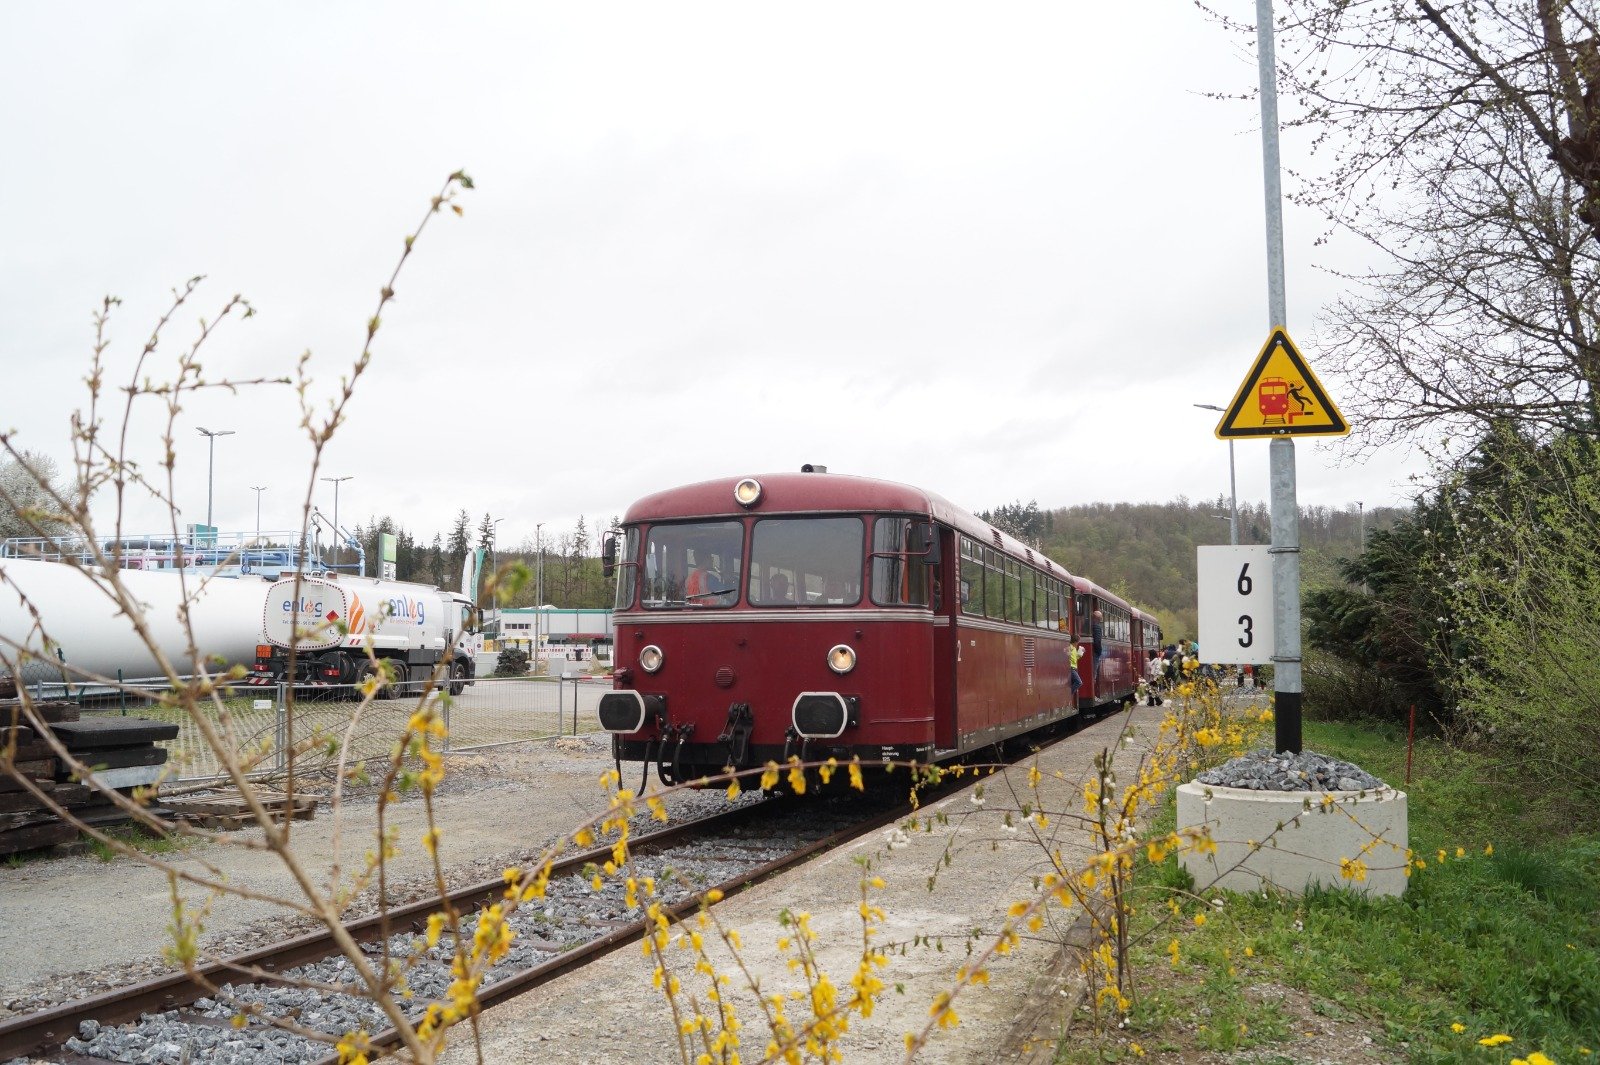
(403, 607)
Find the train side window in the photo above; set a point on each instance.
(972, 585)
(994, 586)
(1014, 601)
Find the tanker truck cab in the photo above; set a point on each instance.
(343, 629)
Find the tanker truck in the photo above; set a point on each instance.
(332, 619)
(75, 631)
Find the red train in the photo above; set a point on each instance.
(822, 615)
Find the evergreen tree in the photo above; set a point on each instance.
(460, 542)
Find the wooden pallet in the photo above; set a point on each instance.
(227, 811)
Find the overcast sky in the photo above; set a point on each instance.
(995, 251)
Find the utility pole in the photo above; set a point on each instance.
(338, 541)
(211, 465)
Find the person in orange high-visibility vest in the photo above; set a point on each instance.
(704, 586)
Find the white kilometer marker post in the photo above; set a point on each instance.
(1236, 605)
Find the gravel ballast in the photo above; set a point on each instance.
(1306, 771)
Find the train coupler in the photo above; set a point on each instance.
(735, 735)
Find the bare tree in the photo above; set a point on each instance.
(1463, 143)
(28, 485)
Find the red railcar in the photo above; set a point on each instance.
(822, 615)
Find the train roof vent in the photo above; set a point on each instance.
(1028, 552)
(812, 467)
(999, 541)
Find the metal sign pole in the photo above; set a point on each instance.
(1287, 685)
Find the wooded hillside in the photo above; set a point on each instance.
(1145, 552)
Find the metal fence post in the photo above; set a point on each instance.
(447, 703)
(281, 730)
(575, 707)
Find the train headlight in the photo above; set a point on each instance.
(747, 493)
(841, 659)
(650, 658)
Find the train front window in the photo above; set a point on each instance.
(628, 569)
(806, 561)
(899, 573)
(696, 564)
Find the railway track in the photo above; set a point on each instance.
(167, 1018)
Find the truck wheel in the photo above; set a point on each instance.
(458, 678)
(385, 690)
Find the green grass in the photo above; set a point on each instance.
(135, 837)
(1503, 942)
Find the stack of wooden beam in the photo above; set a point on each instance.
(121, 752)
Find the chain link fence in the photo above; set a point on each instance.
(331, 721)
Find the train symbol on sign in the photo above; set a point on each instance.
(1273, 399)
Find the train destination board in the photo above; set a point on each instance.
(1281, 397)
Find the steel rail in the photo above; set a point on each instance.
(576, 958)
(35, 1033)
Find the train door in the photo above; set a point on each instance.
(946, 613)
(1086, 605)
(1136, 638)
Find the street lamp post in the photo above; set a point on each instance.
(211, 464)
(1233, 490)
(538, 593)
(337, 542)
(494, 566)
(258, 489)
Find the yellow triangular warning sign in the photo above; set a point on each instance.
(1281, 397)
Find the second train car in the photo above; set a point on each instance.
(820, 615)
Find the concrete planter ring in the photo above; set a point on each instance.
(1295, 839)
